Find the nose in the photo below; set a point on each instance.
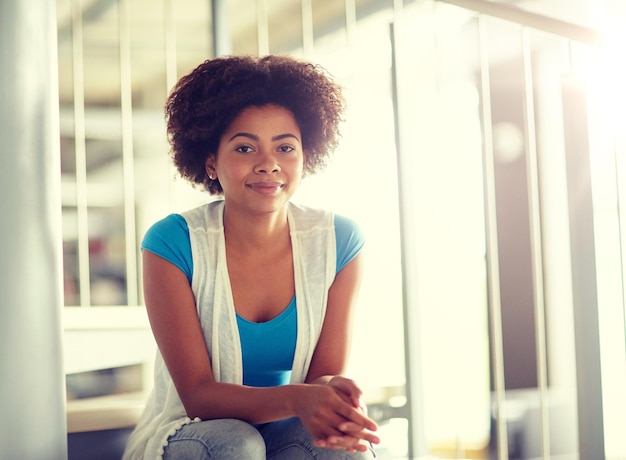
(267, 163)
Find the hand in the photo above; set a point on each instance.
(340, 421)
(356, 436)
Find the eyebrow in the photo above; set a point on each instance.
(254, 137)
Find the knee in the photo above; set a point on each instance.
(245, 441)
(223, 439)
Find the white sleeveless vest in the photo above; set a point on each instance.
(314, 258)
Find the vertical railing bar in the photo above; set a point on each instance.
(220, 30)
(589, 394)
(491, 231)
(171, 68)
(413, 391)
(170, 45)
(398, 7)
(350, 9)
(440, 72)
(351, 30)
(128, 161)
(80, 152)
(262, 28)
(534, 212)
(308, 45)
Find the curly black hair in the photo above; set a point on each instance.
(205, 102)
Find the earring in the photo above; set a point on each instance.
(211, 176)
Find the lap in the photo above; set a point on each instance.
(227, 439)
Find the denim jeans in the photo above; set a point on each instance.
(229, 439)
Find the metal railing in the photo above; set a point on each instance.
(584, 290)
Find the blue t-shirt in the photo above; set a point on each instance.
(267, 348)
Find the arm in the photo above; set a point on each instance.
(174, 321)
(333, 348)
(331, 357)
(172, 313)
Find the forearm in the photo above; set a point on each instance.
(254, 405)
(325, 410)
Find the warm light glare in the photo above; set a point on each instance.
(605, 73)
(604, 79)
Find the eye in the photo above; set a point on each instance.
(286, 148)
(244, 149)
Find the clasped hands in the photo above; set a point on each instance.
(337, 418)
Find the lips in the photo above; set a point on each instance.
(266, 188)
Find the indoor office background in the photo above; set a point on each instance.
(484, 156)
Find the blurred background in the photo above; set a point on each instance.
(483, 154)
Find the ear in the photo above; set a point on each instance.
(209, 166)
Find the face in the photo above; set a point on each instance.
(259, 161)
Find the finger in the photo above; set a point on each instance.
(337, 442)
(350, 427)
(356, 416)
(348, 443)
(361, 434)
(325, 443)
(349, 388)
(330, 427)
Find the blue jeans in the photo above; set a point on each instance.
(230, 439)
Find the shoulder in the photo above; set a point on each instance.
(169, 238)
(170, 226)
(346, 225)
(349, 239)
(306, 217)
(205, 217)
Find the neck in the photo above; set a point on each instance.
(255, 231)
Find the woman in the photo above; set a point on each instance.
(250, 297)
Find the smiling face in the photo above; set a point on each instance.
(259, 161)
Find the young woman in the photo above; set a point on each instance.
(251, 297)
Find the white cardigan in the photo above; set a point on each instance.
(314, 258)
